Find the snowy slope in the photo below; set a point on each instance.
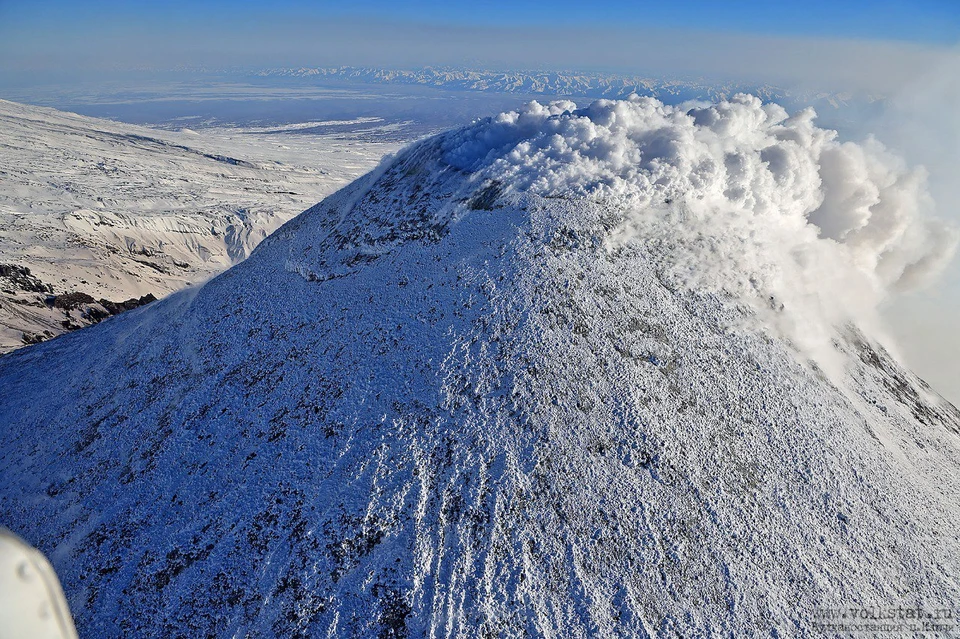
(118, 211)
(542, 376)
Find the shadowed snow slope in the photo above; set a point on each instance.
(555, 374)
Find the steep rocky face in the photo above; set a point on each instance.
(443, 404)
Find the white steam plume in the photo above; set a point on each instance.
(750, 199)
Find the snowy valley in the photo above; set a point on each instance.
(95, 210)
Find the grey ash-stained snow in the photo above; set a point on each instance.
(476, 393)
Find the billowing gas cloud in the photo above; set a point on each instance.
(740, 196)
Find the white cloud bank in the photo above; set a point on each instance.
(738, 196)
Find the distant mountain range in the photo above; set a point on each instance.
(570, 83)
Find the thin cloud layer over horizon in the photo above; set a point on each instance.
(829, 63)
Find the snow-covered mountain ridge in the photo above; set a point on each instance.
(740, 196)
(501, 386)
(566, 83)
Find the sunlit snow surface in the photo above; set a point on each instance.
(118, 211)
(448, 402)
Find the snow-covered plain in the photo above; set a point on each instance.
(118, 211)
(498, 388)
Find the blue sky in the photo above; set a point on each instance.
(932, 21)
(916, 20)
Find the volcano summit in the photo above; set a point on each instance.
(601, 372)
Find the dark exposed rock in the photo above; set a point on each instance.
(486, 199)
(895, 379)
(114, 308)
(94, 310)
(21, 278)
(36, 338)
(70, 301)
